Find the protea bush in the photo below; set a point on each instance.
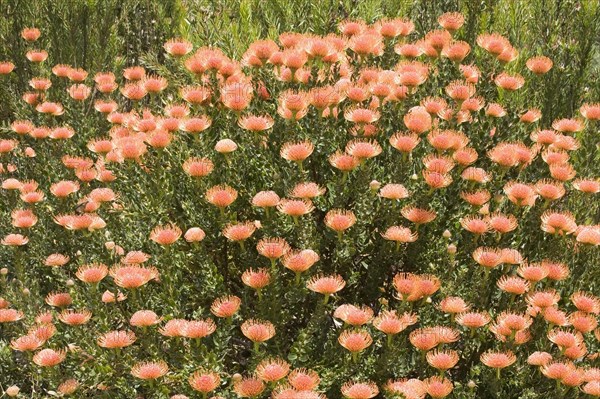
(377, 212)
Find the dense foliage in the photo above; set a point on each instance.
(401, 201)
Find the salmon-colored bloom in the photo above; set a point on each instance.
(438, 387)
(442, 359)
(460, 91)
(221, 196)
(326, 285)
(453, 305)
(26, 343)
(343, 162)
(197, 329)
(353, 315)
(558, 222)
(256, 279)
(417, 215)
(513, 285)
(272, 369)
(355, 340)
(239, 231)
(132, 276)
(49, 357)
(586, 302)
(225, 306)
(588, 186)
(10, 315)
(359, 390)
(204, 381)
(178, 47)
(256, 123)
(405, 142)
(75, 318)
(258, 330)
(488, 257)
(273, 248)
(539, 65)
(498, 360)
(363, 149)
(400, 234)
(144, 318)
(295, 207)
(340, 220)
(165, 235)
(150, 370)
(590, 111)
(568, 125)
(300, 261)
(6, 67)
(473, 319)
(116, 339)
(520, 194)
(265, 199)
(249, 387)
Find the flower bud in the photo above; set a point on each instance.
(12, 390)
(414, 176)
(70, 283)
(446, 234)
(451, 249)
(4, 271)
(374, 185)
(484, 210)
(471, 384)
(236, 377)
(26, 292)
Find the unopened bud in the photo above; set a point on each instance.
(451, 249)
(446, 234)
(12, 390)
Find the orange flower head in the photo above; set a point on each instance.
(150, 370)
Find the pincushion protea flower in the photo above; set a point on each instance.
(300, 261)
(339, 220)
(116, 339)
(258, 331)
(249, 387)
(197, 329)
(49, 357)
(225, 306)
(144, 318)
(150, 370)
(198, 167)
(438, 387)
(75, 318)
(26, 343)
(204, 381)
(10, 315)
(498, 360)
(272, 369)
(355, 341)
(221, 196)
(353, 315)
(359, 390)
(326, 285)
(178, 47)
(239, 232)
(273, 248)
